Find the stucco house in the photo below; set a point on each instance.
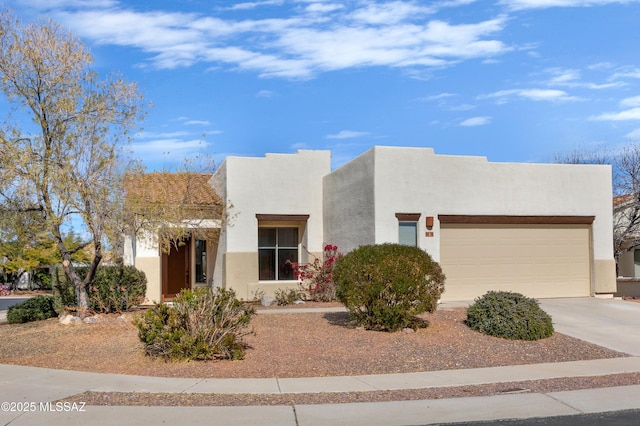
(626, 238)
(540, 229)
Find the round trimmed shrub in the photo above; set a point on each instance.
(510, 316)
(34, 309)
(385, 286)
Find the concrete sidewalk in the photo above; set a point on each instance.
(20, 385)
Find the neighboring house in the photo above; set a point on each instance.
(626, 243)
(540, 229)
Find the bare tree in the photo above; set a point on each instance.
(64, 167)
(625, 164)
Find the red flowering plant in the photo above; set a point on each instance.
(316, 278)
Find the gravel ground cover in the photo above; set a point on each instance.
(302, 345)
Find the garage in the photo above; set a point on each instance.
(538, 256)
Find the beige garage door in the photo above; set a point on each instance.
(538, 260)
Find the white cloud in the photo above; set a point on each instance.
(347, 134)
(549, 95)
(298, 44)
(573, 78)
(265, 94)
(391, 12)
(543, 4)
(323, 7)
(438, 97)
(476, 121)
(626, 73)
(563, 76)
(52, 4)
(197, 123)
(630, 114)
(253, 5)
(631, 102)
(633, 135)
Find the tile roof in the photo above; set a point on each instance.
(622, 199)
(191, 189)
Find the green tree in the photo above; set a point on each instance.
(63, 169)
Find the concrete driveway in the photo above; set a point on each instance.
(611, 323)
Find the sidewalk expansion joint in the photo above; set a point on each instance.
(564, 403)
(186, 390)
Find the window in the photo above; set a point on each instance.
(201, 261)
(408, 233)
(277, 251)
(408, 228)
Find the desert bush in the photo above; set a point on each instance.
(117, 288)
(113, 289)
(385, 286)
(287, 297)
(316, 278)
(202, 324)
(34, 309)
(4, 290)
(509, 315)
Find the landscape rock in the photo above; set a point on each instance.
(408, 330)
(69, 319)
(91, 320)
(298, 302)
(267, 300)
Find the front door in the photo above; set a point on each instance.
(176, 273)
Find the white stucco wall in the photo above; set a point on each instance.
(415, 180)
(349, 204)
(277, 184)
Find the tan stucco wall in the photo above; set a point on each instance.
(241, 271)
(151, 268)
(604, 276)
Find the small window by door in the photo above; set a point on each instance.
(201, 261)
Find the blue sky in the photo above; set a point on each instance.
(512, 80)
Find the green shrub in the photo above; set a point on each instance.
(385, 286)
(34, 309)
(202, 324)
(43, 279)
(509, 315)
(63, 292)
(113, 289)
(287, 297)
(117, 288)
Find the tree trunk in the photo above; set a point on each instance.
(82, 299)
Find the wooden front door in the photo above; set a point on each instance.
(176, 270)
